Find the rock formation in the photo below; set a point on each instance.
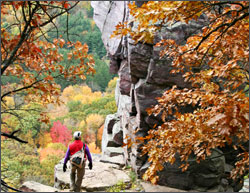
(143, 76)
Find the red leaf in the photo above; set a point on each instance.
(66, 5)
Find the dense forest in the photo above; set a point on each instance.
(84, 101)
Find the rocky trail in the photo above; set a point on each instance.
(101, 178)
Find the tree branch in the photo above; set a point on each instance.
(49, 17)
(20, 89)
(6, 63)
(53, 17)
(13, 7)
(12, 136)
(3, 183)
(67, 29)
(226, 2)
(220, 26)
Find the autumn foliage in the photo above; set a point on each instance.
(34, 61)
(60, 133)
(50, 150)
(215, 61)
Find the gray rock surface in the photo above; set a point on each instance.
(102, 176)
(31, 186)
(118, 160)
(106, 20)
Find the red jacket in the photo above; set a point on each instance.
(75, 147)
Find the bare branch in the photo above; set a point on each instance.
(32, 85)
(67, 29)
(24, 16)
(226, 2)
(3, 183)
(7, 53)
(13, 7)
(48, 16)
(13, 137)
(20, 89)
(43, 34)
(49, 21)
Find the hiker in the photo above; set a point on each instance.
(74, 148)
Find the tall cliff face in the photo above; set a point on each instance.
(143, 76)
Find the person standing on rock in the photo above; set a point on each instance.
(77, 145)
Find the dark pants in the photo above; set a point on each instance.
(75, 184)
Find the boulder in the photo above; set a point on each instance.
(208, 173)
(136, 162)
(31, 186)
(108, 142)
(61, 179)
(117, 92)
(127, 132)
(103, 178)
(123, 102)
(179, 31)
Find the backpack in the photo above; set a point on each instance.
(79, 157)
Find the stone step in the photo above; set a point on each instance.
(111, 143)
(148, 187)
(119, 160)
(113, 151)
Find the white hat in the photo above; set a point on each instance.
(77, 134)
